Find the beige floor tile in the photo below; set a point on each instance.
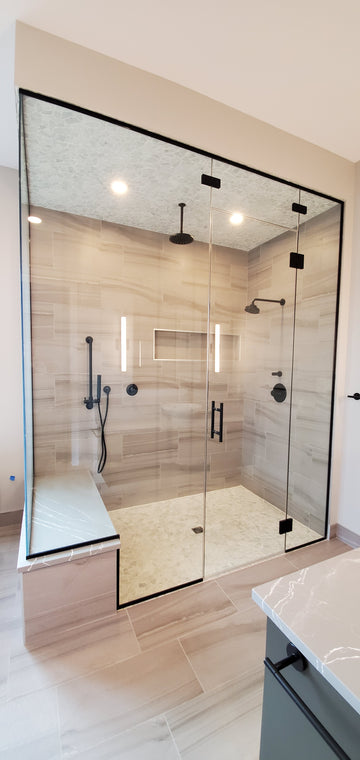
(99, 706)
(221, 724)
(238, 585)
(227, 648)
(4, 671)
(29, 728)
(148, 741)
(84, 651)
(8, 583)
(309, 555)
(181, 612)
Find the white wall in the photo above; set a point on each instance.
(349, 501)
(11, 437)
(52, 66)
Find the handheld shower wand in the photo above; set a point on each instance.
(90, 401)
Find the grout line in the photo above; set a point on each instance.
(133, 630)
(192, 667)
(172, 736)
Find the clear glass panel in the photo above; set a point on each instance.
(314, 346)
(255, 196)
(103, 267)
(247, 471)
(26, 330)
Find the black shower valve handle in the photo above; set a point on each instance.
(356, 396)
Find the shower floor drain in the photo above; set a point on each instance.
(198, 529)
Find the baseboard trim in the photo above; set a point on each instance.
(347, 536)
(11, 518)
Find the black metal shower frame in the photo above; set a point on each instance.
(111, 120)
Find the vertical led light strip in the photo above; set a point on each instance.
(123, 344)
(217, 348)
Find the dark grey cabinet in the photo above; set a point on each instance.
(298, 706)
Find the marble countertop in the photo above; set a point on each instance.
(318, 610)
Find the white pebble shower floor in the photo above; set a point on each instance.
(159, 549)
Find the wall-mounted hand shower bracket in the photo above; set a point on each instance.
(90, 401)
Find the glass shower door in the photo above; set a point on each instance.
(250, 359)
(313, 369)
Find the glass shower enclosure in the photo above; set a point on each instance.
(183, 333)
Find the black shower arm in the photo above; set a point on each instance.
(270, 300)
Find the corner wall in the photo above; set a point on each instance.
(11, 441)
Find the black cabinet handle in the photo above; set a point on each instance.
(328, 739)
(219, 409)
(356, 396)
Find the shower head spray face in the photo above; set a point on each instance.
(252, 308)
(181, 238)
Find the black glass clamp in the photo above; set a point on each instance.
(356, 396)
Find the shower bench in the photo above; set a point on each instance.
(69, 576)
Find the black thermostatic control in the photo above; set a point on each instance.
(132, 389)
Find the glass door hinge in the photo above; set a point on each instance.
(286, 526)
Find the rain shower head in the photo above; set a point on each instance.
(181, 238)
(252, 309)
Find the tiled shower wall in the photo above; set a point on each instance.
(268, 349)
(85, 275)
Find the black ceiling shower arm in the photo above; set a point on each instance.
(181, 238)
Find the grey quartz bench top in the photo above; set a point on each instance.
(67, 511)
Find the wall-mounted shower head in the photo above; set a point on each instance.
(252, 309)
(181, 238)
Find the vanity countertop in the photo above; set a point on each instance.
(318, 610)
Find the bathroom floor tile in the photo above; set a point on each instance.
(181, 612)
(99, 706)
(310, 555)
(238, 585)
(148, 741)
(227, 648)
(84, 651)
(224, 723)
(29, 727)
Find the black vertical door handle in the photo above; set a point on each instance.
(212, 419)
(219, 409)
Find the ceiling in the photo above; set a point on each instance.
(293, 65)
(72, 159)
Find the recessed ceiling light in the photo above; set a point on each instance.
(236, 218)
(34, 220)
(119, 187)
